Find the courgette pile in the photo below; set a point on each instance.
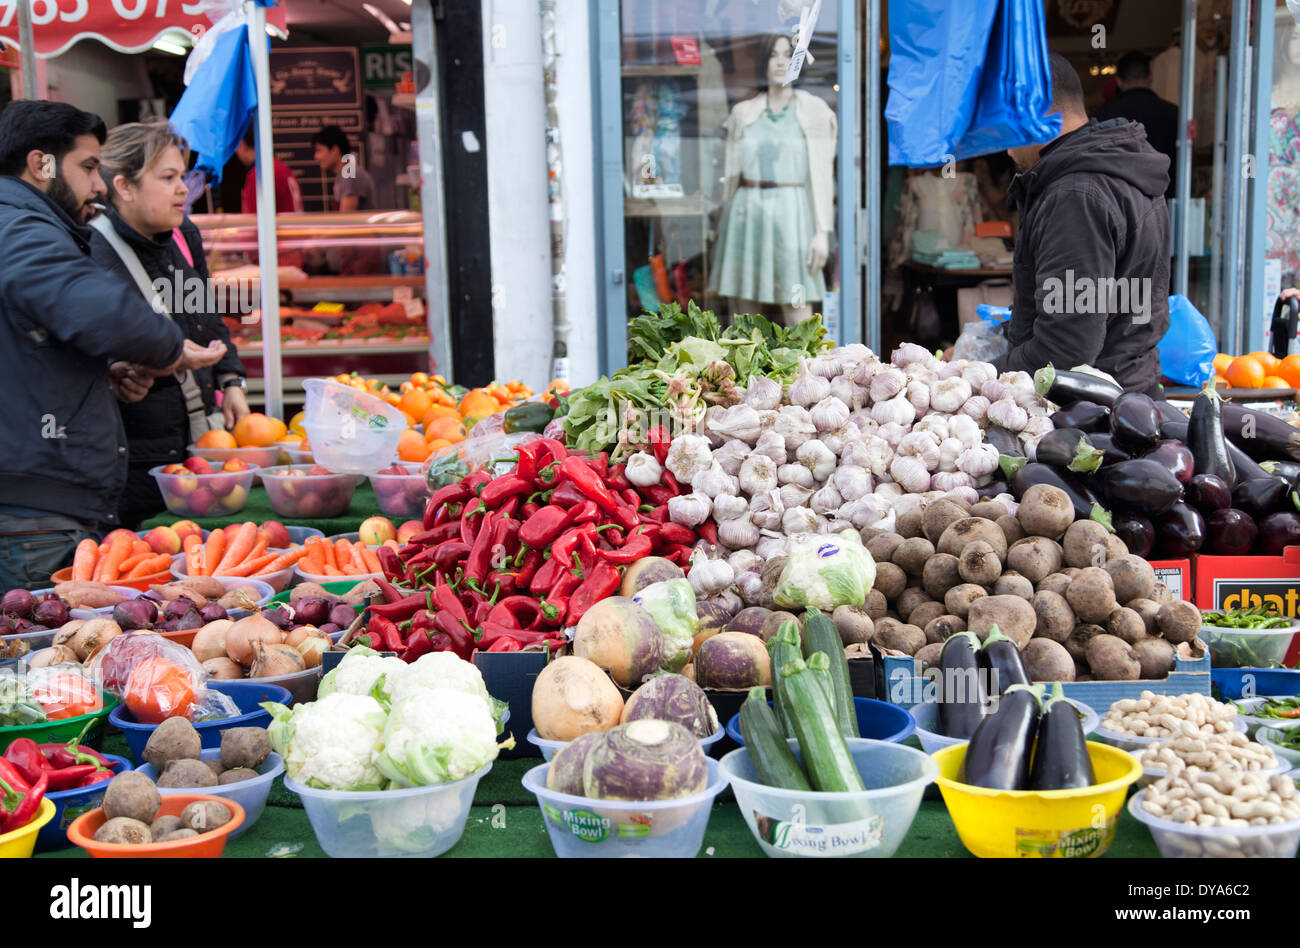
(813, 703)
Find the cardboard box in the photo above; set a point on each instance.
(509, 677)
(1177, 575)
(1236, 582)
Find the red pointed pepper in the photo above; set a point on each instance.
(671, 483)
(708, 530)
(568, 495)
(547, 576)
(25, 756)
(602, 581)
(590, 483)
(17, 807)
(586, 512)
(660, 440)
(497, 492)
(638, 546)
(617, 478)
(480, 556)
(401, 610)
(505, 644)
(451, 494)
(676, 533)
(444, 600)
(545, 526)
(449, 554)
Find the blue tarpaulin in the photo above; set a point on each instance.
(217, 105)
(966, 79)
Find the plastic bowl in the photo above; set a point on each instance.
(321, 579)
(868, 823)
(1038, 823)
(350, 431)
(247, 694)
(1130, 742)
(1238, 648)
(207, 845)
(1151, 774)
(927, 724)
(307, 496)
(1254, 722)
(258, 457)
(140, 584)
(297, 456)
(415, 822)
(334, 586)
(204, 495)
(249, 794)
(550, 748)
(19, 843)
(35, 640)
(277, 580)
(1188, 840)
(401, 496)
(61, 731)
(70, 804)
(877, 721)
(1270, 734)
(1234, 683)
(583, 827)
(301, 685)
(300, 535)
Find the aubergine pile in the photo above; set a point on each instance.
(1225, 481)
(1030, 744)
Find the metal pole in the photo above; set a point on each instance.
(850, 173)
(871, 176)
(1183, 171)
(1233, 244)
(1257, 205)
(607, 102)
(555, 194)
(428, 119)
(1216, 193)
(267, 252)
(27, 48)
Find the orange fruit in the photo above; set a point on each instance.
(255, 430)
(415, 402)
(1221, 362)
(304, 444)
(1289, 369)
(438, 411)
(411, 447)
(281, 429)
(478, 402)
(420, 378)
(437, 444)
(447, 427)
(1275, 381)
(1245, 372)
(1269, 361)
(216, 438)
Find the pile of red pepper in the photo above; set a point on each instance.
(508, 562)
(29, 770)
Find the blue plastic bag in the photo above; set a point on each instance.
(1188, 349)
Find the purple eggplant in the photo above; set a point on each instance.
(1260, 435)
(1278, 531)
(1259, 497)
(1207, 493)
(1112, 453)
(1231, 532)
(1061, 760)
(1244, 466)
(51, 612)
(1137, 532)
(1141, 485)
(1086, 416)
(1001, 661)
(961, 701)
(1181, 531)
(1068, 448)
(1005, 441)
(1001, 748)
(18, 603)
(1175, 456)
(1205, 436)
(992, 489)
(1135, 422)
(1086, 505)
(1063, 387)
(1289, 471)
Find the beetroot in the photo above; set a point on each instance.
(279, 617)
(18, 603)
(51, 612)
(342, 615)
(329, 628)
(177, 608)
(191, 620)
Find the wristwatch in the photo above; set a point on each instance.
(237, 381)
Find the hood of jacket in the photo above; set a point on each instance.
(1117, 148)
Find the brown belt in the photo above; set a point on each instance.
(751, 183)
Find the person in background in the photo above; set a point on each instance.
(1137, 102)
(354, 189)
(288, 195)
(144, 165)
(71, 337)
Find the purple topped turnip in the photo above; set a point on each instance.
(565, 773)
(644, 761)
(673, 698)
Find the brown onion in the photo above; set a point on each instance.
(223, 668)
(274, 661)
(54, 655)
(210, 641)
(67, 631)
(312, 647)
(244, 632)
(93, 635)
(295, 636)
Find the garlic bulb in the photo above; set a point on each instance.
(757, 473)
(887, 383)
(709, 576)
(949, 395)
(863, 421)
(844, 435)
(897, 410)
(948, 370)
(920, 444)
(935, 423)
(977, 407)
(836, 525)
(715, 481)
(794, 495)
(996, 389)
(689, 455)
(827, 365)
(918, 393)
(771, 445)
(768, 547)
(1010, 502)
(731, 455)
(910, 503)
(910, 352)
(861, 397)
(767, 418)
(817, 458)
(750, 585)
(1037, 426)
(713, 417)
(765, 509)
(763, 393)
(729, 507)
(643, 470)
(950, 450)
(795, 474)
(968, 494)
(826, 500)
(794, 425)
(689, 510)
(829, 413)
(977, 373)
(799, 520)
(866, 371)
(743, 561)
(951, 480)
(1007, 414)
(966, 430)
(977, 461)
(878, 453)
(740, 422)
(738, 534)
(888, 490)
(808, 388)
(874, 510)
(842, 387)
(892, 433)
(852, 482)
(910, 473)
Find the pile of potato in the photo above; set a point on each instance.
(131, 805)
(176, 751)
(1076, 603)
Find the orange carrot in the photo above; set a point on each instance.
(83, 562)
(327, 553)
(358, 560)
(134, 560)
(212, 551)
(150, 565)
(118, 550)
(287, 559)
(139, 546)
(193, 552)
(342, 553)
(238, 547)
(332, 570)
(259, 547)
(250, 567)
(372, 561)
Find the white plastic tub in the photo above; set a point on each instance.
(927, 724)
(1189, 841)
(417, 822)
(1255, 722)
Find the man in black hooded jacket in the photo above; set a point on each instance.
(1091, 267)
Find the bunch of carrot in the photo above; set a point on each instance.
(122, 555)
(340, 558)
(236, 550)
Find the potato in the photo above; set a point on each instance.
(1057, 583)
(912, 597)
(1046, 660)
(912, 554)
(360, 594)
(1011, 614)
(944, 627)
(1045, 511)
(903, 638)
(1011, 528)
(132, 795)
(929, 655)
(181, 774)
(176, 835)
(969, 529)
(1112, 659)
(1126, 624)
(83, 594)
(174, 739)
(1012, 583)
(882, 546)
(940, 574)
(989, 510)
(1147, 609)
(979, 563)
(238, 775)
(209, 587)
(959, 598)
(1034, 558)
(308, 590)
(910, 525)
(1091, 595)
(1085, 544)
(124, 831)
(1077, 643)
(925, 613)
(1178, 621)
(890, 580)
(1162, 594)
(1054, 619)
(853, 623)
(876, 604)
(1156, 657)
(214, 764)
(1115, 547)
(164, 825)
(1132, 577)
(204, 815)
(939, 516)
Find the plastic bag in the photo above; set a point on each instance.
(985, 339)
(1187, 350)
(826, 571)
(156, 679)
(495, 453)
(64, 691)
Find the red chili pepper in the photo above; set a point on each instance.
(510, 508)
(501, 615)
(14, 777)
(586, 512)
(658, 515)
(671, 483)
(469, 527)
(391, 592)
(708, 530)
(677, 553)
(544, 526)
(74, 752)
(70, 776)
(462, 640)
(615, 537)
(563, 547)
(492, 632)
(524, 610)
(19, 807)
(507, 538)
(637, 547)
(547, 576)
(568, 495)
(589, 482)
(449, 554)
(99, 776)
(436, 535)
(477, 481)
(559, 597)
(390, 562)
(444, 600)
(502, 584)
(676, 533)
(528, 567)
(599, 462)
(660, 440)
(627, 517)
(451, 494)
(388, 634)
(26, 757)
(527, 467)
(528, 511)
(480, 557)
(401, 610)
(505, 644)
(495, 493)
(617, 478)
(602, 581)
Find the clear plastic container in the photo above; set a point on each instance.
(1189, 841)
(870, 823)
(1247, 648)
(416, 822)
(297, 456)
(258, 457)
(1270, 734)
(401, 497)
(1254, 722)
(277, 580)
(927, 724)
(303, 496)
(250, 794)
(1151, 774)
(1133, 744)
(299, 535)
(349, 431)
(583, 827)
(204, 495)
(550, 748)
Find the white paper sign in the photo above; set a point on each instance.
(807, 21)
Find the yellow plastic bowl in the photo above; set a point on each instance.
(1038, 823)
(20, 843)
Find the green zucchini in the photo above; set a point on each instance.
(783, 648)
(775, 763)
(825, 752)
(529, 416)
(822, 636)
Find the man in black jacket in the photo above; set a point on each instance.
(1138, 102)
(1091, 268)
(64, 321)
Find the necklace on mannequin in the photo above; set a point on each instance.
(783, 93)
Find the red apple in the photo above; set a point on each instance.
(277, 535)
(235, 500)
(375, 530)
(183, 485)
(202, 502)
(236, 464)
(198, 465)
(164, 540)
(408, 530)
(184, 528)
(395, 470)
(318, 471)
(310, 506)
(175, 469)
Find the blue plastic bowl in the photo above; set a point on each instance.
(1233, 683)
(877, 721)
(249, 794)
(247, 694)
(70, 804)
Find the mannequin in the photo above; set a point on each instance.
(774, 236)
(1284, 149)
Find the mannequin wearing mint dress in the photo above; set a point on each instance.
(765, 232)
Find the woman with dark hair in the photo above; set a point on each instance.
(774, 238)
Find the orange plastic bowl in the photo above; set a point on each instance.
(141, 583)
(207, 845)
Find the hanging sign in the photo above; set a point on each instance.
(808, 14)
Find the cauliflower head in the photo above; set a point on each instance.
(358, 672)
(436, 737)
(447, 671)
(330, 743)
